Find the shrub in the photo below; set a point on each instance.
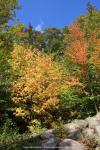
(39, 80)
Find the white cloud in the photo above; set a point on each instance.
(39, 27)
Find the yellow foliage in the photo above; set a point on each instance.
(21, 112)
(40, 81)
(21, 57)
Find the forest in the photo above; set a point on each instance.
(47, 78)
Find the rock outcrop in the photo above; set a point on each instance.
(80, 135)
(88, 129)
(69, 144)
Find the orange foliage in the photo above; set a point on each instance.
(52, 102)
(74, 30)
(73, 82)
(78, 47)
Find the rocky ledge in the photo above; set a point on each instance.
(77, 135)
(81, 135)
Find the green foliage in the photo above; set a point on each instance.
(35, 38)
(5, 82)
(11, 139)
(8, 132)
(7, 10)
(90, 24)
(53, 38)
(36, 127)
(50, 41)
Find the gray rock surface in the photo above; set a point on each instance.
(82, 123)
(89, 133)
(98, 116)
(93, 122)
(76, 125)
(47, 134)
(75, 135)
(72, 126)
(77, 130)
(97, 130)
(69, 144)
(49, 141)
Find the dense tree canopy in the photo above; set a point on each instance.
(51, 76)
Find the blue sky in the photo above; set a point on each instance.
(52, 13)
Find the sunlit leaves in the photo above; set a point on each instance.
(40, 80)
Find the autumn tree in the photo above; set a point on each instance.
(87, 60)
(77, 49)
(38, 84)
